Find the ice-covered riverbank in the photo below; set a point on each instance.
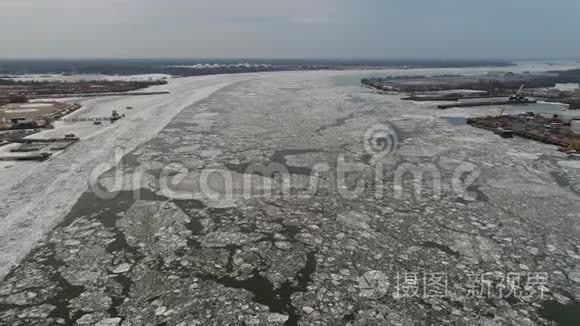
(34, 196)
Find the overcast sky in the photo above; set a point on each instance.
(471, 29)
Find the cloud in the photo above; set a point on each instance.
(283, 28)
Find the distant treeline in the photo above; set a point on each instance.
(135, 67)
(137, 83)
(485, 82)
(7, 81)
(574, 73)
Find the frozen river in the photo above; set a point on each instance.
(294, 198)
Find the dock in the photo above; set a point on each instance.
(38, 149)
(429, 98)
(35, 157)
(483, 103)
(531, 126)
(45, 140)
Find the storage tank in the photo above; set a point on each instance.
(575, 126)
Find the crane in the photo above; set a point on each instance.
(518, 97)
(500, 112)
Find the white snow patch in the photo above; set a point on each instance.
(59, 99)
(554, 103)
(20, 110)
(34, 105)
(567, 87)
(570, 164)
(522, 155)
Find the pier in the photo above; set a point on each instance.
(483, 103)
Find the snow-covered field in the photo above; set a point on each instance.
(87, 77)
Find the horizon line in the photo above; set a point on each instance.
(287, 58)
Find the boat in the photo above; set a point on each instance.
(504, 133)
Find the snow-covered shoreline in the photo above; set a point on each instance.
(35, 196)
